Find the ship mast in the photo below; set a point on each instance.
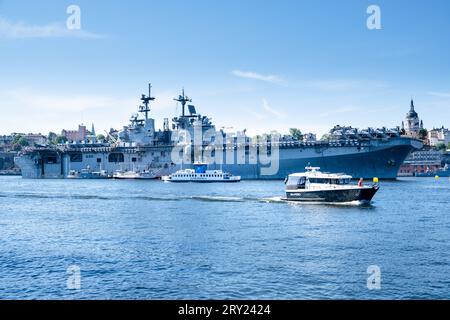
(183, 99)
(146, 100)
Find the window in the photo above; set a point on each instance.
(294, 183)
(76, 157)
(320, 180)
(116, 157)
(50, 159)
(133, 159)
(99, 160)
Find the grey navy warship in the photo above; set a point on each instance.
(364, 153)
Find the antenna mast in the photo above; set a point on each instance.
(146, 100)
(183, 99)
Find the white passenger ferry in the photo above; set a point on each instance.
(87, 174)
(137, 175)
(317, 186)
(201, 174)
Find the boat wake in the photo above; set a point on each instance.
(272, 200)
(205, 198)
(217, 199)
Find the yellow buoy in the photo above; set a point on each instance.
(436, 177)
(375, 180)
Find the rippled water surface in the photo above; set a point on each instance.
(153, 240)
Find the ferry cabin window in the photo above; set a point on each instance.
(322, 180)
(296, 183)
(116, 157)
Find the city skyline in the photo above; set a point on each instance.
(259, 68)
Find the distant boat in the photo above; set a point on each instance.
(137, 175)
(201, 174)
(87, 174)
(316, 186)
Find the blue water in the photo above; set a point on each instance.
(153, 240)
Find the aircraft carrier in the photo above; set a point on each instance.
(192, 137)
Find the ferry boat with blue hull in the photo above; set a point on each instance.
(361, 153)
(201, 174)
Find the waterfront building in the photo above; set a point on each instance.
(79, 135)
(33, 139)
(5, 142)
(423, 161)
(36, 139)
(441, 135)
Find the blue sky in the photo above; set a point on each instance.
(260, 65)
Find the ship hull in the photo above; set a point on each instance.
(381, 162)
(344, 195)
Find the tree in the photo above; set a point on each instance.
(60, 139)
(16, 138)
(23, 142)
(101, 137)
(423, 133)
(440, 146)
(51, 138)
(296, 133)
(19, 142)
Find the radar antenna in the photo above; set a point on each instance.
(183, 99)
(146, 100)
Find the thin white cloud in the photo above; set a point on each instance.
(22, 30)
(267, 113)
(271, 111)
(439, 94)
(257, 76)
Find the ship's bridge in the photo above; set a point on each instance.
(191, 122)
(140, 131)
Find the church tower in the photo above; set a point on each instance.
(412, 122)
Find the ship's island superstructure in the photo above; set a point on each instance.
(360, 153)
